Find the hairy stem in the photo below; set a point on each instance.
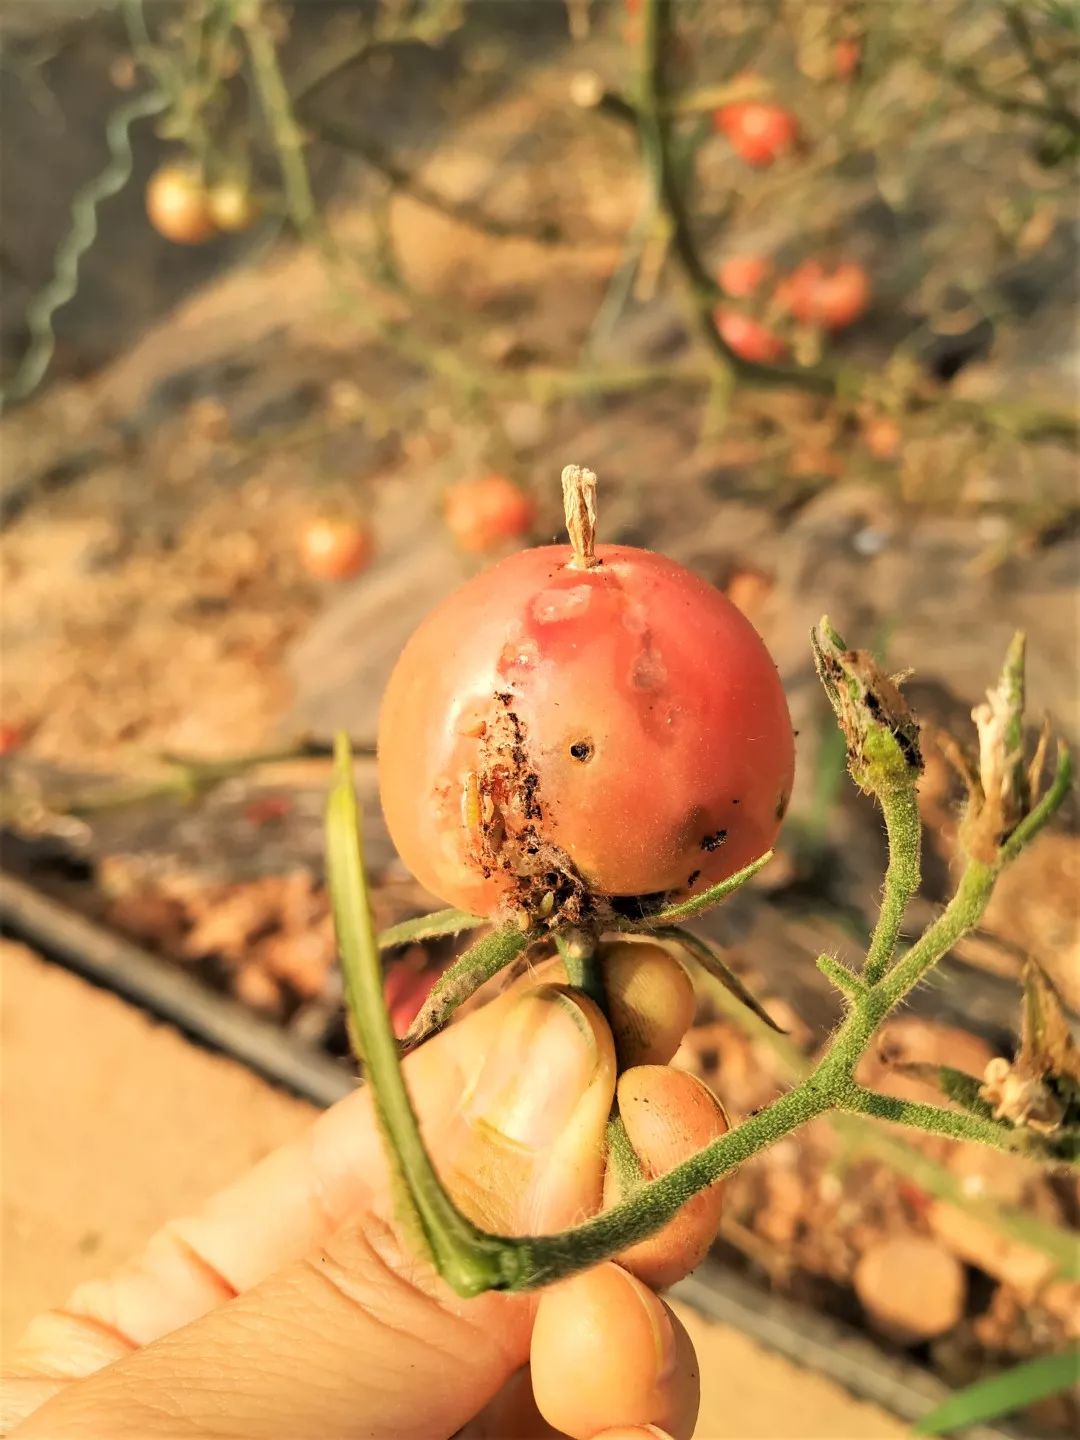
(902, 878)
(462, 1252)
(542, 1259)
(934, 1119)
(580, 956)
(428, 927)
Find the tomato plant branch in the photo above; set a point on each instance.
(652, 114)
(483, 960)
(934, 1119)
(288, 140)
(429, 927)
(463, 1253)
(880, 744)
(188, 778)
(581, 959)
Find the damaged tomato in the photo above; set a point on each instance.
(553, 734)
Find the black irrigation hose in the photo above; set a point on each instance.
(826, 1346)
(163, 989)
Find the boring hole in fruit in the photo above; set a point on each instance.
(638, 907)
(582, 750)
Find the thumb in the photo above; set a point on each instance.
(362, 1338)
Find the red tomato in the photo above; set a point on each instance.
(742, 275)
(482, 514)
(831, 299)
(749, 338)
(550, 730)
(11, 738)
(759, 131)
(847, 53)
(336, 547)
(178, 205)
(266, 809)
(406, 987)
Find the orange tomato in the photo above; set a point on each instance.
(758, 130)
(832, 299)
(548, 728)
(749, 338)
(232, 206)
(178, 205)
(483, 514)
(11, 738)
(742, 275)
(336, 547)
(847, 55)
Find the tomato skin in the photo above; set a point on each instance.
(882, 437)
(749, 338)
(11, 738)
(832, 299)
(178, 205)
(232, 207)
(847, 57)
(483, 514)
(759, 131)
(406, 988)
(743, 275)
(336, 548)
(626, 721)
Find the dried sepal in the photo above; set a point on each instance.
(880, 731)
(1040, 1089)
(1002, 798)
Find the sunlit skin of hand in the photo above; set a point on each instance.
(295, 1305)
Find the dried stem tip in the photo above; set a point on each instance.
(579, 500)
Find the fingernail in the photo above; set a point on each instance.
(661, 1328)
(543, 1061)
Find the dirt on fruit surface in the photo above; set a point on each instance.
(172, 674)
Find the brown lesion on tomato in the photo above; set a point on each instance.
(713, 841)
(503, 815)
(692, 879)
(782, 802)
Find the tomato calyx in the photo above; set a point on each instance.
(645, 916)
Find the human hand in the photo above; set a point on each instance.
(296, 1304)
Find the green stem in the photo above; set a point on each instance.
(542, 1259)
(464, 1255)
(483, 959)
(1056, 792)
(675, 914)
(274, 98)
(953, 1124)
(584, 971)
(653, 122)
(964, 910)
(902, 877)
(429, 927)
(622, 1155)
